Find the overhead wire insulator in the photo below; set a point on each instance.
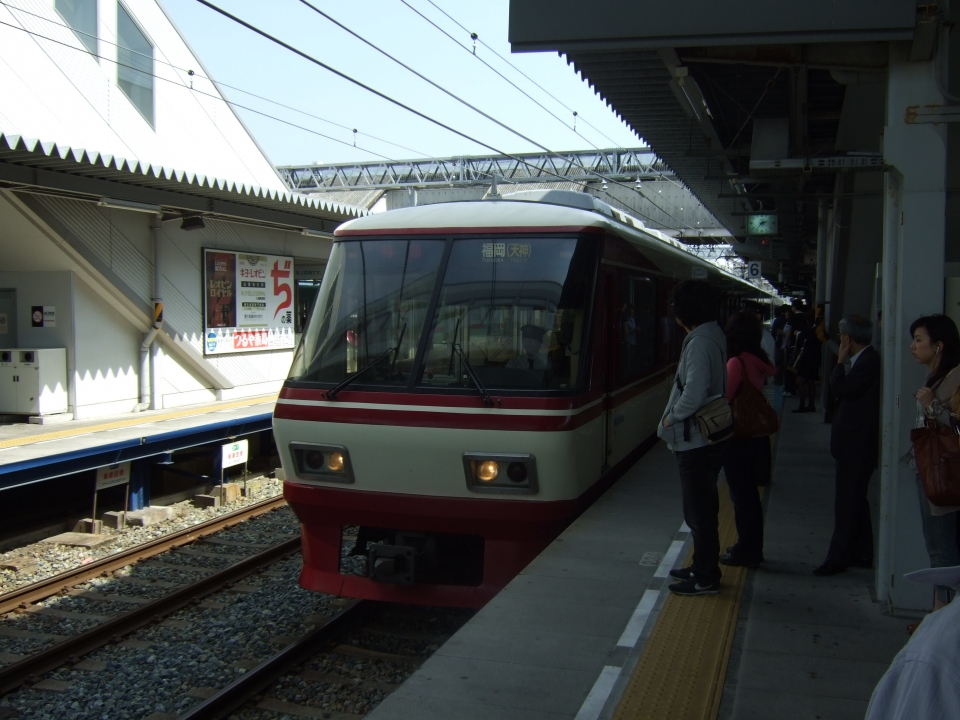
(354, 137)
(474, 37)
(574, 120)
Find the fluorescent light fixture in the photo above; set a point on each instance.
(315, 233)
(130, 205)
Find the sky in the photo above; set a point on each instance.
(236, 56)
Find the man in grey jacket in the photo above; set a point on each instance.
(701, 378)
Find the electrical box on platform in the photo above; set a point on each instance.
(33, 381)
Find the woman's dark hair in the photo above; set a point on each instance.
(694, 303)
(745, 335)
(941, 329)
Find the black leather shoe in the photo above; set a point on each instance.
(829, 567)
(682, 573)
(734, 560)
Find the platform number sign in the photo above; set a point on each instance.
(754, 271)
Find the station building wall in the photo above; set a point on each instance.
(95, 266)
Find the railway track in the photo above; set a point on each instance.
(146, 611)
(340, 660)
(24, 596)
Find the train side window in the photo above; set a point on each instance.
(638, 326)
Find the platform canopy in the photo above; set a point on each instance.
(752, 104)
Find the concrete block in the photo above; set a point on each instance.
(207, 501)
(79, 539)
(150, 516)
(50, 419)
(22, 565)
(255, 485)
(115, 520)
(229, 493)
(89, 525)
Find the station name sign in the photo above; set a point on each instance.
(247, 302)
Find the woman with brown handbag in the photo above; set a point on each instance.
(936, 344)
(754, 422)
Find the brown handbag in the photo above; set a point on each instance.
(752, 414)
(936, 449)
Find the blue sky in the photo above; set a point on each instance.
(238, 57)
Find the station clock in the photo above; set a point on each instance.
(762, 225)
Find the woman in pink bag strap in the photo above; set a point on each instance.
(743, 465)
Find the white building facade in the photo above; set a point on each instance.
(120, 163)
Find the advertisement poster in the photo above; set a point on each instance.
(248, 302)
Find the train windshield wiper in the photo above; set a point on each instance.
(332, 392)
(484, 395)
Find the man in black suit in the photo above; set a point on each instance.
(854, 444)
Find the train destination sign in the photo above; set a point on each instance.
(248, 302)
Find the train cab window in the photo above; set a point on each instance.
(370, 312)
(638, 326)
(517, 309)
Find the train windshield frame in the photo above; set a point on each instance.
(423, 314)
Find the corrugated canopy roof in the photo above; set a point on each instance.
(29, 163)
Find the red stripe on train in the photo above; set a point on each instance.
(414, 418)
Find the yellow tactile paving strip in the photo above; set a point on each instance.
(681, 672)
(141, 420)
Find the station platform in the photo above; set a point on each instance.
(30, 453)
(589, 630)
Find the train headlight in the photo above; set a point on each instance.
(314, 462)
(488, 470)
(505, 473)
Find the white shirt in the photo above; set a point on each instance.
(853, 358)
(768, 344)
(924, 678)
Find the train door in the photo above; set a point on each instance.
(611, 345)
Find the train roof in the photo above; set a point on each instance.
(542, 211)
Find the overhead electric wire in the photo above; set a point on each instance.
(287, 122)
(514, 85)
(392, 100)
(530, 79)
(195, 90)
(501, 75)
(456, 97)
(194, 74)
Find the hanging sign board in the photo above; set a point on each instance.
(754, 271)
(698, 273)
(113, 475)
(247, 302)
(234, 453)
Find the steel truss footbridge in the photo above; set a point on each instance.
(595, 166)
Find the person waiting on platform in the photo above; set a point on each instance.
(532, 339)
(923, 681)
(936, 344)
(701, 378)
(854, 444)
(806, 361)
(745, 465)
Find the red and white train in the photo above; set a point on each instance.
(473, 376)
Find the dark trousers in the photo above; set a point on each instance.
(699, 469)
(852, 539)
(743, 467)
(765, 461)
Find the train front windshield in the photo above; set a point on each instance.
(513, 310)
